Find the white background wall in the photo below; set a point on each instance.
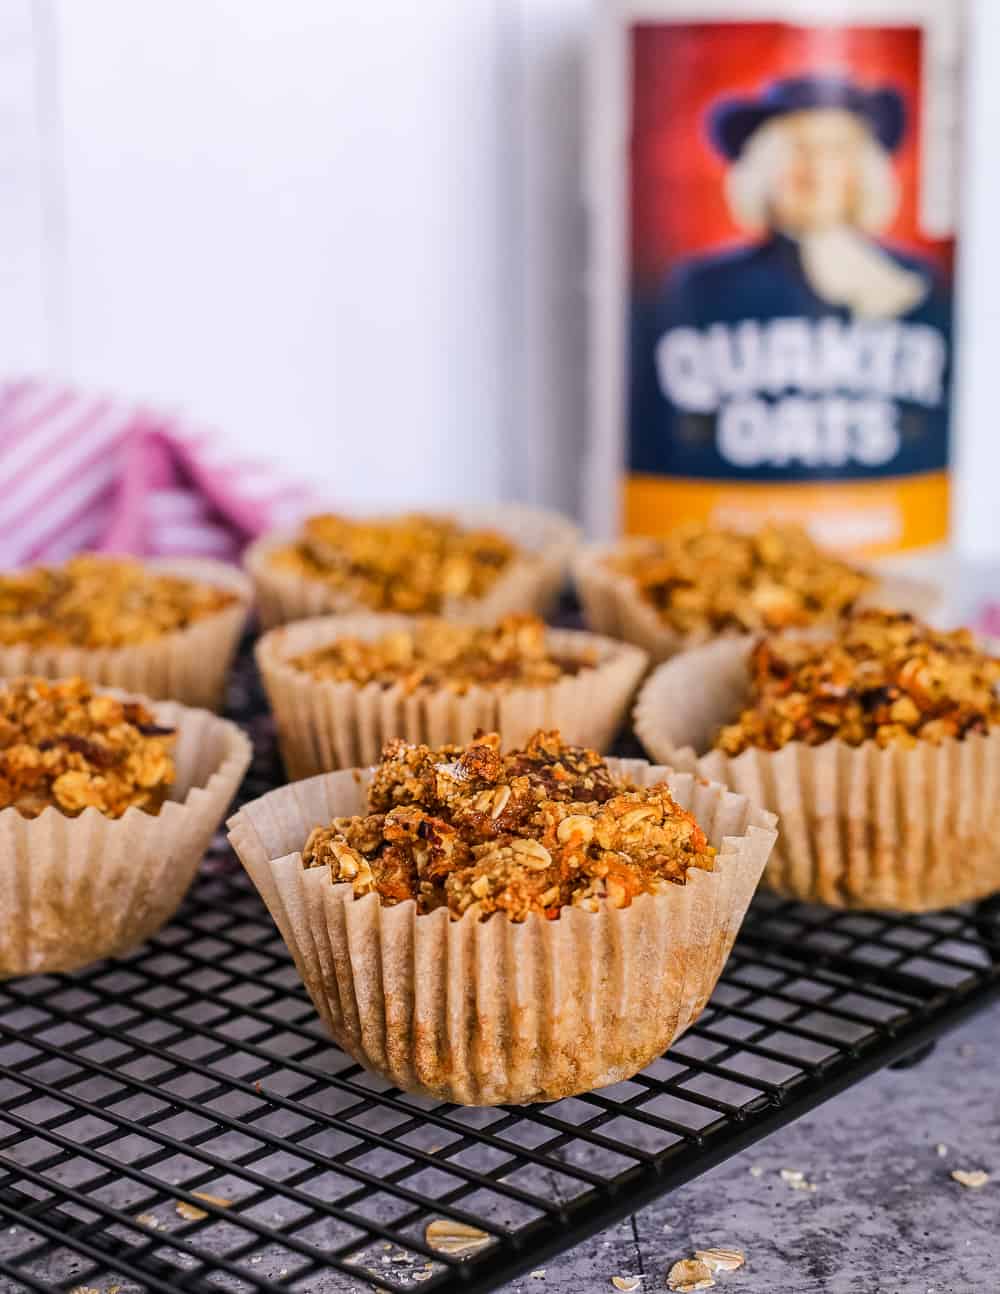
(350, 234)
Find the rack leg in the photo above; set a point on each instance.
(914, 1057)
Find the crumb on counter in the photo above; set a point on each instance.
(884, 677)
(700, 577)
(64, 744)
(477, 830)
(413, 564)
(93, 601)
(440, 654)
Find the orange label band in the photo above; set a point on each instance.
(867, 518)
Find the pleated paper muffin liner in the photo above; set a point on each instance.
(531, 583)
(491, 1012)
(77, 890)
(188, 665)
(907, 829)
(324, 725)
(612, 604)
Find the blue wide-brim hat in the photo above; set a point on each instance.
(731, 121)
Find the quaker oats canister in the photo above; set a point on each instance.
(773, 191)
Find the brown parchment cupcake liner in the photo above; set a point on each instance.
(531, 583)
(860, 826)
(612, 604)
(484, 1013)
(75, 890)
(324, 725)
(188, 665)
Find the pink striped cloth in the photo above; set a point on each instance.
(83, 472)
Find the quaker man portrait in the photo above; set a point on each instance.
(810, 339)
(811, 165)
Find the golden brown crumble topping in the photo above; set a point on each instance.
(474, 829)
(884, 677)
(438, 653)
(100, 602)
(699, 577)
(66, 745)
(414, 564)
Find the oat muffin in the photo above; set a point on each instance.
(470, 565)
(699, 582)
(63, 744)
(342, 686)
(107, 804)
(163, 628)
(877, 745)
(884, 678)
(459, 914)
(439, 654)
(477, 831)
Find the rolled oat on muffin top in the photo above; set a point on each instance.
(883, 677)
(476, 830)
(65, 745)
(413, 564)
(440, 654)
(101, 602)
(707, 578)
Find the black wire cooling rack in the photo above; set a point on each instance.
(197, 1066)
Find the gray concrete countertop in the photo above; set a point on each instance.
(885, 1217)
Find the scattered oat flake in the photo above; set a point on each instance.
(84, 1289)
(721, 1260)
(450, 1237)
(148, 1220)
(538, 1275)
(796, 1180)
(941, 1148)
(193, 1213)
(973, 1178)
(688, 1275)
(626, 1283)
(756, 1170)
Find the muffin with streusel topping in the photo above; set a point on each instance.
(107, 803)
(166, 629)
(65, 746)
(472, 565)
(342, 686)
(878, 745)
(490, 925)
(699, 582)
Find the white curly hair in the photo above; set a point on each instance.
(749, 183)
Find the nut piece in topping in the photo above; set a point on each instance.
(65, 745)
(413, 564)
(701, 578)
(688, 1275)
(721, 1260)
(440, 654)
(101, 602)
(451, 1237)
(884, 677)
(972, 1178)
(528, 831)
